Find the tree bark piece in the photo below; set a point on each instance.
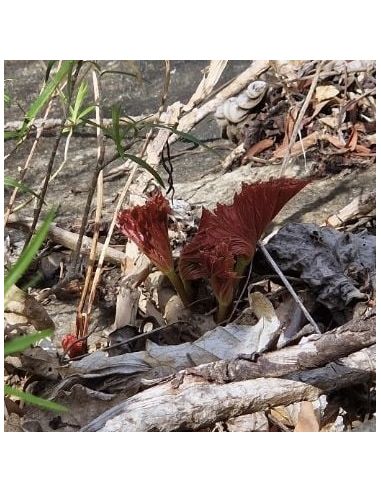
(69, 240)
(193, 404)
(317, 351)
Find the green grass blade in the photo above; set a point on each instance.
(81, 94)
(46, 94)
(119, 72)
(116, 129)
(34, 400)
(21, 343)
(146, 166)
(13, 183)
(28, 254)
(85, 112)
(11, 135)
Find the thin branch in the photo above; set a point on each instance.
(289, 287)
(298, 123)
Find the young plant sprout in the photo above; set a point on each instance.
(147, 227)
(240, 225)
(224, 244)
(73, 346)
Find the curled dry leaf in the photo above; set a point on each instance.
(23, 309)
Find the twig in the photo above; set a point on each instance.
(328, 74)
(55, 174)
(297, 126)
(53, 123)
(289, 287)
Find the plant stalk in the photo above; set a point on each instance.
(178, 285)
(222, 312)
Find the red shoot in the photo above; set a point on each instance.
(147, 226)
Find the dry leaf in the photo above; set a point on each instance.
(317, 110)
(330, 121)
(259, 147)
(307, 420)
(21, 308)
(352, 142)
(297, 149)
(360, 149)
(324, 92)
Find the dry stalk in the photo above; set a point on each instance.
(98, 213)
(298, 123)
(124, 191)
(70, 240)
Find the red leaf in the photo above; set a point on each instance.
(240, 224)
(147, 226)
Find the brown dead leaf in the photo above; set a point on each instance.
(22, 308)
(362, 150)
(324, 92)
(297, 149)
(259, 147)
(289, 125)
(352, 142)
(351, 145)
(307, 420)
